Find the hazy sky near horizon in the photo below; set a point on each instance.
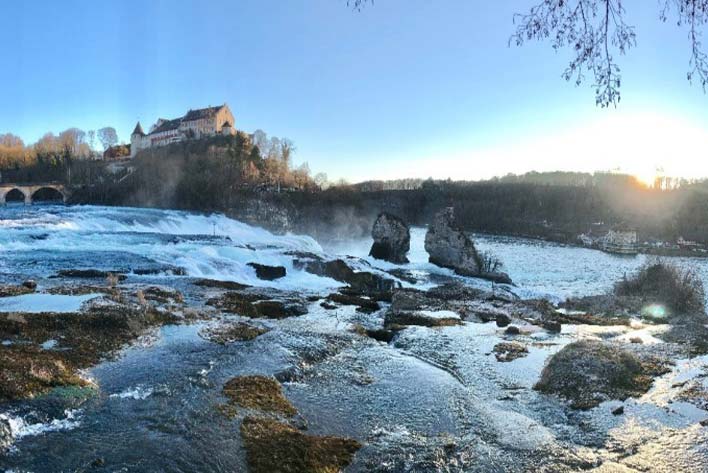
(405, 88)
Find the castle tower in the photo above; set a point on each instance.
(137, 140)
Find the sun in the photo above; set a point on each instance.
(646, 178)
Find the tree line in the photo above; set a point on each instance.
(207, 174)
(53, 149)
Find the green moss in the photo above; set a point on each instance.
(258, 392)
(274, 447)
(84, 338)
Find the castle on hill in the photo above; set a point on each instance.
(193, 125)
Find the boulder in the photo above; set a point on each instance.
(509, 351)
(30, 284)
(5, 434)
(424, 318)
(268, 273)
(449, 247)
(361, 283)
(589, 372)
(512, 330)
(392, 239)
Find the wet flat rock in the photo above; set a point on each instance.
(18, 290)
(257, 305)
(509, 351)
(275, 447)
(258, 392)
(232, 332)
(28, 367)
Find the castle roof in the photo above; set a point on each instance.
(167, 125)
(138, 130)
(208, 112)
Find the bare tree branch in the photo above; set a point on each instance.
(694, 15)
(594, 29)
(596, 32)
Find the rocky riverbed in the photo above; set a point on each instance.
(147, 362)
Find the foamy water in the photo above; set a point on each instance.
(211, 246)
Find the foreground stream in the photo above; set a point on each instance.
(432, 399)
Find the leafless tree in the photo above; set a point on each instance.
(596, 31)
(108, 137)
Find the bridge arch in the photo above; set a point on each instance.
(15, 194)
(27, 193)
(47, 194)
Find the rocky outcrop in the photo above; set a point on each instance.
(255, 305)
(590, 372)
(5, 434)
(449, 247)
(363, 283)
(268, 273)
(392, 239)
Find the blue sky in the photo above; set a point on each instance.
(406, 88)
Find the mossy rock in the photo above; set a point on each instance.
(257, 306)
(28, 371)
(258, 392)
(589, 372)
(85, 338)
(274, 447)
(509, 351)
(233, 332)
(10, 291)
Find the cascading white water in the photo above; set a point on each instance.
(212, 246)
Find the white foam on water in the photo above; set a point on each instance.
(209, 246)
(440, 314)
(20, 428)
(137, 393)
(37, 303)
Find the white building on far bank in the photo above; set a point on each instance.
(193, 125)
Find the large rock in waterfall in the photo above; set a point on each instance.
(449, 247)
(392, 239)
(5, 434)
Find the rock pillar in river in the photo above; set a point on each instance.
(5, 434)
(449, 247)
(392, 239)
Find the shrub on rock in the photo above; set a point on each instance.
(666, 285)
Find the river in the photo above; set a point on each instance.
(155, 407)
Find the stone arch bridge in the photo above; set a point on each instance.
(29, 191)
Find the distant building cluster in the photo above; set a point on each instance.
(193, 125)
